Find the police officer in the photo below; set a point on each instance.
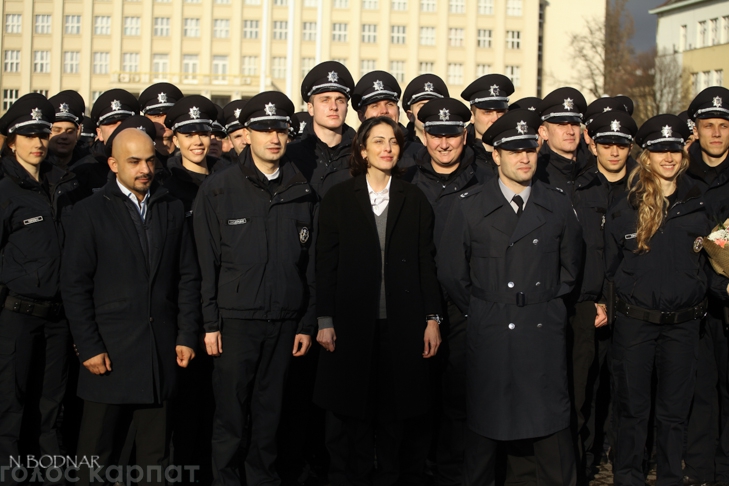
(562, 112)
(155, 102)
(444, 168)
(512, 253)
(530, 103)
(253, 227)
(218, 133)
(87, 135)
(35, 200)
(708, 167)
(603, 105)
(660, 279)
(418, 91)
(63, 149)
(377, 93)
(234, 128)
(323, 154)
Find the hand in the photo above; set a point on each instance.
(184, 355)
(214, 343)
(431, 339)
(302, 343)
(601, 317)
(99, 364)
(327, 338)
(727, 289)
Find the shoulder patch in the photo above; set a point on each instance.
(36, 219)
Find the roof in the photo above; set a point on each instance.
(669, 5)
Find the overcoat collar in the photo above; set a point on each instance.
(532, 217)
(397, 198)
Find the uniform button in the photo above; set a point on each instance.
(678, 212)
(511, 244)
(539, 325)
(510, 285)
(512, 325)
(701, 203)
(151, 319)
(403, 260)
(538, 284)
(535, 241)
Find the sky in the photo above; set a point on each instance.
(645, 23)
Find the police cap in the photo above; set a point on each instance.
(423, 87)
(689, 122)
(69, 106)
(603, 105)
(137, 122)
(515, 130)
(270, 110)
(231, 112)
(219, 123)
(113, 106)
(663, 133)
(192, 114)
(327, 77)
(301, 120)
(88, 129)
(32, 114)
(444, 116)
(489, 92)
(612, 128)
(373, 87)
(712, 102)
(159, 98)
(563, 105)
(529, 103)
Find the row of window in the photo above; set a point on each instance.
(249, 66)
(485, 7)
(701, 81)
(708, 33)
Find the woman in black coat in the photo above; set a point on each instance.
(378, 302)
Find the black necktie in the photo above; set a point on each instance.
(519, 202)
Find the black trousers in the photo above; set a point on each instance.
(707, 436)
(103, 432)
(637, 348)
(33, 376)
(541, 461)
(249, 374)
(598, 421)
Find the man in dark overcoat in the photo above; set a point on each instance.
(512, 254)
(131, 289)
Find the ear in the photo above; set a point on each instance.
(465, 137)
(543, 132)
(310, 108)
(99, 135)
(361, 115)
(247, 136)
(592, 145)
(410, 115)
(497, 157)
(113, 164)
(363, 153)
(174, 140)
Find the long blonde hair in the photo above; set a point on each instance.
(652, 204)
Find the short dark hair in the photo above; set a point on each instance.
(358, 164)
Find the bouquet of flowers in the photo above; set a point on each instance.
(716, 246)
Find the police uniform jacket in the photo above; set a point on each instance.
(484, 159)
(671, 276)
(184, 184)
(32, 232)
(323, 166)
(255, 247)
(713, 182)
(349, 274)
(133, 304)
(92, 173)
(509, 275)
(557, 171)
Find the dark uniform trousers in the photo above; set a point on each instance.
(251, 372)
(636, 346)
(707, 460)
(597, 425)
(33, 370)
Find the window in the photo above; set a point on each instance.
(719, 77)
(189, 68)
(96, 94)
(397, 69)
(161, 27)
(483, 70)
(366, 66)
(249, 65)
(191, 28)
(41, 61)
(250, 29)
(725, 29)
(705, 79)
(513, 73)
(455, 73)
(714, 32)
(682, 39)
(370, 4)
(306, 64)
(427, 5)
(160, 67)
(222, 2)
(341, 3)
(102, 25)
(44, 92)
(339, 32)
(220, 69)
(695, 83)
(280, 30)
(397, 34)
(483, 38)
(513, 39)
(309, 31)
(73, 24)
(513, 8)
(11, 61)
(13, 23)
(455, 37)
(425, 68)
(131, 25)
(10, 96)
(427, 36)
(457, 6)
(221, 28)
(485, 7)
(701, 34)
(192, 1)
(130, 62)
(400, 5)
(315, 3)
(369, 33)
(253, 2)
(42, 24)
(71, 62)
(278, 67)
(280, 3)
(341, 61)
(101, 63)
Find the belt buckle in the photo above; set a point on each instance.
(520, 299)
(664, 317)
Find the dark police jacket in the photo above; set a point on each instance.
(484, 159)
(509, 274)
(134, 305)
(254, 246)
(184, 184)
(322, 166)
(558, 171)
(32, 231)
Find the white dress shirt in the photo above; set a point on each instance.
(141, 206)
(509, 195)
(379, 200)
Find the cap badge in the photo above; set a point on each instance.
(532, 108)
(717, 101)
(142, 129)
(666, 131)
(236, 112)
(521, 127)
(36, 114)
(444, 114)
(333, 77)
(691, 125)
(378, 85)
(270, 109)
(116, 105)
(302, 125)
(568, 104)
(615, 126)
(63, 107)
(606, 109)
(194, 113)
(428, 86)
(162, 97)
(494, 90)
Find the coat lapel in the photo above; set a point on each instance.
(397, 199)
(158, 227)
(532, 217)
(123, 218)
(363, 198)
(492, 203)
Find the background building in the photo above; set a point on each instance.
(229, 49)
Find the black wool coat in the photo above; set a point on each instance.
(349, 273)
(119, 302)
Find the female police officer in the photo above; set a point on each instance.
(34, 335)
(660, 282)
